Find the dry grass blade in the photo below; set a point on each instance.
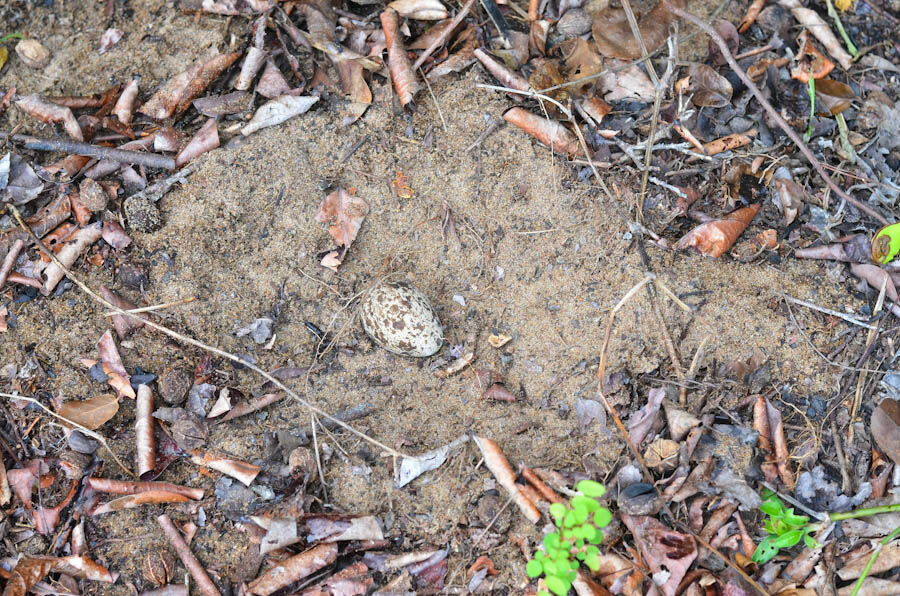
(199, 344)
(83, 429)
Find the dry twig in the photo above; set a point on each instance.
(150, 160)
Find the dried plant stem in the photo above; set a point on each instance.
(444, 35)
(695, 364)
(96, 436)
(153, 307)
(773, 113)
(184, 553)
(199, 344)
(151, 160)
(529, 93)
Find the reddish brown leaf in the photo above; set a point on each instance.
(405, 81)
(885, 426)
(206, 139)
(662, 549)
(347, 211)
(714, 238)
(176, 95)
(46, 111)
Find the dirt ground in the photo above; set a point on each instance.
(539, 255)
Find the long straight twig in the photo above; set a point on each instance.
(151, 160)
(199, 344)
(782, 124)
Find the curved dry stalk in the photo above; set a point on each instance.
(199, 344)
(530, 93)
(96, 436)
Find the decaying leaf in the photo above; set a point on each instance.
(876, 277)
(46, 111)
(119, 379)
(222, 105)
(613, 35)
(642, 421)
(110, 38)
(810, 62)
(422, 10)
(91, 413)
(74, 246)
(669, 554)
(348, 213)
(277, 111)
(272, 83)
(714, 238)
(628, 83)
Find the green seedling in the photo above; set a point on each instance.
(11, 36)
(575, 541)
(785, 528)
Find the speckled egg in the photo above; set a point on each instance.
(400, 319)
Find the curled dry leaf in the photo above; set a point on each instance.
(348, 213)
(551, 133)
(119, 379)
(714, 238)
(205, 139)
(708, 88)
(613, 35)
(114, 235)
(272, 83)
(124, 108)
(91, 413)
(74, 246)
(499, 466)
(123, 324)
(46, 111)
(178, 93)
(504, 75)
(222, 105)
(277, 111)
(820, 29)
(294, 569)
(628, 83)
(400, 67)
(729, 142)
(421, 10)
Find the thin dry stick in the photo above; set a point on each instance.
(667, 338)
(312, 424)
(10, 260)
(861, 378)
(184, 553)
(152, 308)
(529, 93)
(96, 436)
(197, 343)
(434, 99)
(827, 311)
(695, 364)
(790, 132)
(151, 160)
(444, 35)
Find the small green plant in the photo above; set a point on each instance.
(11, 36)
(575, 541)
(785, 528)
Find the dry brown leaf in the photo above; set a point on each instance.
(629, 83)
(727, 32)
(118, 379)
(789, 194)
(49, 112)
(810, 62)
(581, 60)
(876, 277)
(885, 426)
(613, 35)
(549, 132)
(834, 96)
(71, 250)
(272, 83)
(402, 75)
(348, 213)
(91, 413)
(714, 238)
(708, 88)
(504, 75)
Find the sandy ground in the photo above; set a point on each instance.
(539, 256)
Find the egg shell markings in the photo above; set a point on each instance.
(400, 319)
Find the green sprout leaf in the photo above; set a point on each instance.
(765, 551)
(557, 585)
(589, 488)
(788, 539)
(602, 517)
(557, 511)
(534, 568)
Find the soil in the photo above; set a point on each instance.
(539, 254)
